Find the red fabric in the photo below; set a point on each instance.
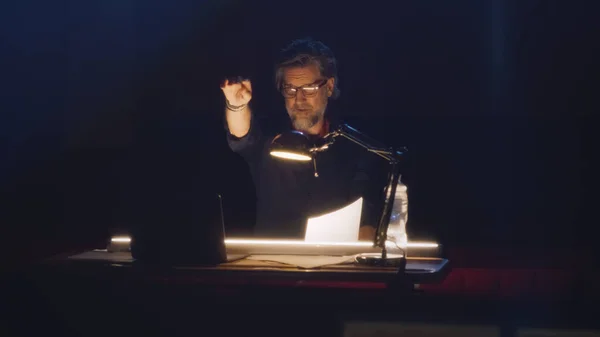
(325, 129)
(513, 283)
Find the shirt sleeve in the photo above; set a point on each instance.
(249, 146)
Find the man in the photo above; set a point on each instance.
(288, 193)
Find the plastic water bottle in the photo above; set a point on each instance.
(397, 228)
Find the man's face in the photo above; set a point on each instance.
(306, 94)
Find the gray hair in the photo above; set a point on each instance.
(304, 52)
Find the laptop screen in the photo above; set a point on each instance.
(178, 228)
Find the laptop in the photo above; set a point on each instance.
(182, 231)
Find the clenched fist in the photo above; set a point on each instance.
(237, 93)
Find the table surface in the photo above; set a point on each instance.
(418, 270)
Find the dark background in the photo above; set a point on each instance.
(494, 99)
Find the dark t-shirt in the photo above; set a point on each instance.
(288, 193)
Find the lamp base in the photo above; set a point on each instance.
(376, 259)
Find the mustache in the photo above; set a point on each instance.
(302, 107)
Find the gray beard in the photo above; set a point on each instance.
(304, 124)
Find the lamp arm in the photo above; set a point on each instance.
(393, 157)
(363, 141)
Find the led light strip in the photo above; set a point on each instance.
(266, 242)
(325, 243)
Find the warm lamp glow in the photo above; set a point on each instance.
(290, 155)
(293, 145)
(121, 239)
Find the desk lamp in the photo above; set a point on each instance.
(296, 146)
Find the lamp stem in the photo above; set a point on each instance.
(390, 190)
(314, 160)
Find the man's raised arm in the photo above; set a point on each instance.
(244, 135)
(237, 110)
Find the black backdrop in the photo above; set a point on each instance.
(494, 100)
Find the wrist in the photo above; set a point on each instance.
(231, 107)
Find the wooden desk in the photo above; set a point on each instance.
(418, 270)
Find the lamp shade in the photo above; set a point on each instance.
(293, 145)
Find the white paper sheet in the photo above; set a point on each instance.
(338, 226)
(304, 261)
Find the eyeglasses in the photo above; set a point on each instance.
(308, 90)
